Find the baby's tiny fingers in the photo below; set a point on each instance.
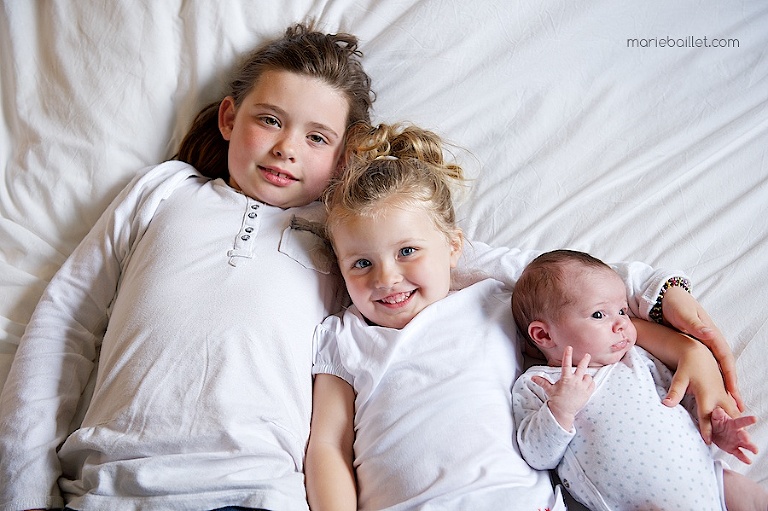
(567, 361)
(742, 457)
(543, 383)
(744, 421)
(581, 369)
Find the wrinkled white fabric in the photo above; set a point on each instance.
(203, 390)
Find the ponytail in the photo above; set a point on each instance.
(394, 162)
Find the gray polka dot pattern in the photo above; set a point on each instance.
(633, 451)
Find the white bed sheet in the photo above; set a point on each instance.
(573, 138)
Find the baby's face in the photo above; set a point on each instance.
(395, 263)
(596, 321)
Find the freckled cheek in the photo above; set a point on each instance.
(248, 139)
(238, 153)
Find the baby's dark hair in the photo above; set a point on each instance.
(332, 58)
(541, 291)
(399, 163)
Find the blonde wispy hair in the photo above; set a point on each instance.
(397, 164)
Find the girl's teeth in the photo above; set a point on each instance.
(400, 297)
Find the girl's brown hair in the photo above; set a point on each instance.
(333, 58)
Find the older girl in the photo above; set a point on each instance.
(202, 301)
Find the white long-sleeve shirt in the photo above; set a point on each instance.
(202, 303)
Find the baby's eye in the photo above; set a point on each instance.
(623, 312)
(597, 315)
(407, 251)
(361, 263)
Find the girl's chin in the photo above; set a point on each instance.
(397, 321)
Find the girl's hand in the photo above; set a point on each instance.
(571, 392)
(730, 436)
(683, 312)
(697, 373)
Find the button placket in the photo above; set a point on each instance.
(248, 231)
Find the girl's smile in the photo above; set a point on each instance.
(397, 300)
(395, 263)
(277, 177)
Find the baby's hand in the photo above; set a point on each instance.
(730, 436)
(571, 392)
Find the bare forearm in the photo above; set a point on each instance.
(329, 466)
(662, 342)
(330, 480)
(683, 312)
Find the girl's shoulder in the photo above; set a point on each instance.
(166, 175)
(171, 169)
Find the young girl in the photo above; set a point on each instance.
(412, 406)
(202, 302)
(602, 426)
(198, 301)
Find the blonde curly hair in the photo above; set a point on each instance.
(394, 164)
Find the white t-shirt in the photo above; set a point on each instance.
(433, 418)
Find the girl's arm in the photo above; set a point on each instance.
(329, 472)
(696, 371)
(57, 353)
(656, 294)
(682, 311)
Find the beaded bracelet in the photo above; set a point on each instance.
(655, 313)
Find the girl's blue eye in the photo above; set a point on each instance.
(597, 315)
(361, 263)
(405, 252)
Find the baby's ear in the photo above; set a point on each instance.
(539, 332)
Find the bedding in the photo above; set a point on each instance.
(634, 131)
